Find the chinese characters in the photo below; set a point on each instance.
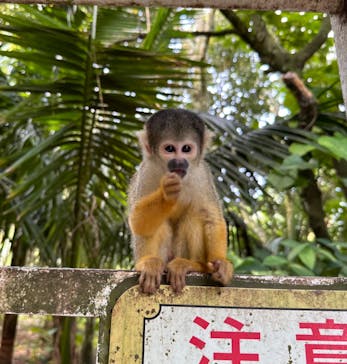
(235, 356)
(326, 343)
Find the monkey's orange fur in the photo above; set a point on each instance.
(183, 236)
(175, 216)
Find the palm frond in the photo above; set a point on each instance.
(80, 101)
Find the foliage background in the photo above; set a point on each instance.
(76, 83)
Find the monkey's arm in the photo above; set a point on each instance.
(149, 213)
(150, 259)
(216, 246)
(152, 210)
(148, 223)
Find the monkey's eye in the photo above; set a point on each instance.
(170, 148)
(186, 148)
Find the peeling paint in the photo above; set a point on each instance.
(103, 297)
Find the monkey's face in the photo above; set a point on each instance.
(178, 155)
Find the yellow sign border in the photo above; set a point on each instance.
(132, 307)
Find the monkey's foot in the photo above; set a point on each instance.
(177, 271)
(151, 270)
(221, 271)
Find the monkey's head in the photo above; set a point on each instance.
(178, 137)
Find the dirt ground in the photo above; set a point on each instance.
(34, 340)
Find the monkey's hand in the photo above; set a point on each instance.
(221, 270)
(171, 185)
(177, 271)
(151, 269)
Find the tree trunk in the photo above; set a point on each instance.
(9, 325)
(341, 170)
(311, 195)
(290, 216)
(87, 354)
(9, 328)
(312, 200)
(64, 340)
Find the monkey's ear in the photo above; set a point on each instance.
(143, 140)
(208, 138)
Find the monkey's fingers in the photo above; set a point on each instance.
(211, 267)
(171, 179)
(222, 271)
(150, 270)
(171, 188)
(177, 280)
(177, 270)
(149, 283)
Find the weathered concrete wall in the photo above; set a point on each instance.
(70, 292)
(88, 292)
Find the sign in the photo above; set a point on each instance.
(213, 325)
(236, 335)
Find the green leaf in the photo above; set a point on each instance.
(324, 253)
(289, 243)
(297, 250)
(301, 149)
(295, 162)
(274, 261)
(299, 270)
(285, 175)
(33, 152)
(337, 145)
(249, 265)
(158, 24)
(280, 181)
(308, 256)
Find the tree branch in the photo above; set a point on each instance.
(311, 194)
(311, 48)
(268, 47)
(306, 100)
(260, 40)
(217, 33)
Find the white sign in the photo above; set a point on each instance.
(235, 325)
(217, 335)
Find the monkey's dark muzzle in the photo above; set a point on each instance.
(178, 166)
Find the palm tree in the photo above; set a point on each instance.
(81, 84)
(66, 161)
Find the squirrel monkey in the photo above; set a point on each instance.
(175, 216)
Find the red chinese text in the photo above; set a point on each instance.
(327, 342)
(235, 356)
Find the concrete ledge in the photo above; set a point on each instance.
(331, 6)
(90, 292)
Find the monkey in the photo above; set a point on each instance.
(175, 215)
